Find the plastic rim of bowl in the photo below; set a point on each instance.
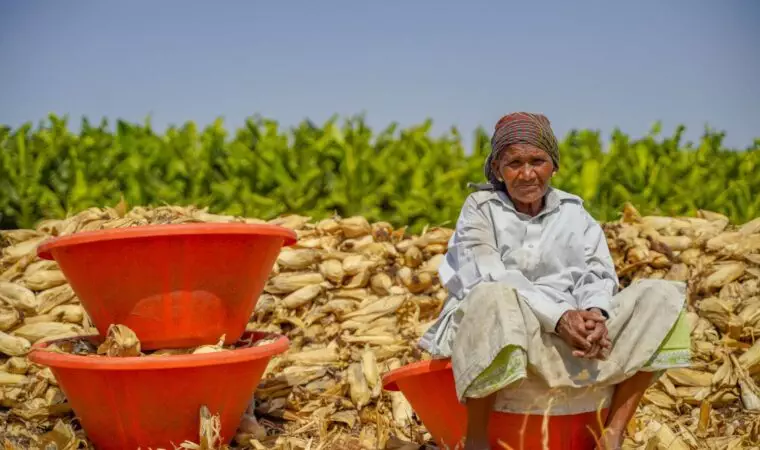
(419, 368)
(40, 355)
(44, 250)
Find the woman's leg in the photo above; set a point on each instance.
(624, 402)
(508, 367)
(673, 352)
(478, 416)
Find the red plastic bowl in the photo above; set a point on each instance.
(154, 402)
(175, 286)
(429, 388)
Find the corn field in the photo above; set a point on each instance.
(403, 176)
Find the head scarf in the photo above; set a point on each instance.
(520, 128)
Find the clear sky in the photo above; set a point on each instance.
(596, 64)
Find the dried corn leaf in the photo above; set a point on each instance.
(354, 227)
(724, 274)
(9, 317)
(371, 372)
(690, 377)
(298, 259)
(12, 379)
(17, 251)
(16, 364)
(34, 332)
(378, 339)
(359, 390)
(436, 235)
(120, 341)
(292, 221)
(353, 264)
(68, 313)
(44, 279)
(286, 283)
(302, 296)
(378, 308)
(660, 399)
(420, 282)
(319, 356)
(14, 345)
(381, 283)
(61, 437)
(13, 237)
(49, 299)
(17, 296)
(359, 280)
(332, 269)
(218, 347)
(665, 438)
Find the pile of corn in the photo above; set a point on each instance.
(716, 402)
(354, 298)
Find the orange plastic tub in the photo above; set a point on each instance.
(175, 285)
(154, 402)
(429, 388)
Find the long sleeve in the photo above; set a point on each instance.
(599, 281)
(473, 257)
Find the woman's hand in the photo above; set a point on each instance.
(600, 343)
(572, 329)
(586, 332)
(598, 336)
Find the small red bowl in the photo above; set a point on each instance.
(429, 388)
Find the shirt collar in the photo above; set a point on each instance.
(553, 200)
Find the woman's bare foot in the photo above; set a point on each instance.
(611, 440)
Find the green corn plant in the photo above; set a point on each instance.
(401, 175)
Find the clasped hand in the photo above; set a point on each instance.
(586, 332)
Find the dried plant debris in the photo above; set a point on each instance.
(354, 297)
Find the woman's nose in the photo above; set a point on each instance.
(527, 172)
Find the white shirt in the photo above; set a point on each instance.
(557, 260)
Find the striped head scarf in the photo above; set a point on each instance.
(520, 128)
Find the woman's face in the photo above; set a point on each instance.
(526, 171)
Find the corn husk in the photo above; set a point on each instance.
(381, 283)
(15, 252)
(12, 379)
(120, 341)
(17, 296)
(354, 227)
(36, 331)
(9, 317)
(14, 345)
(218, 347)
(44, 279)
(50, 298)
(13, 237)
(16, 364)
(354, 297)
(332, 270)
(298, 259)
(291, 282)
(301, 297)
(359, 389)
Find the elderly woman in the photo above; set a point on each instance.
(533, 295)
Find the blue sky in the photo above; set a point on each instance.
(585, 64)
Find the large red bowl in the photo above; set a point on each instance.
(429, 388)
(176, 286)
(154, 402)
